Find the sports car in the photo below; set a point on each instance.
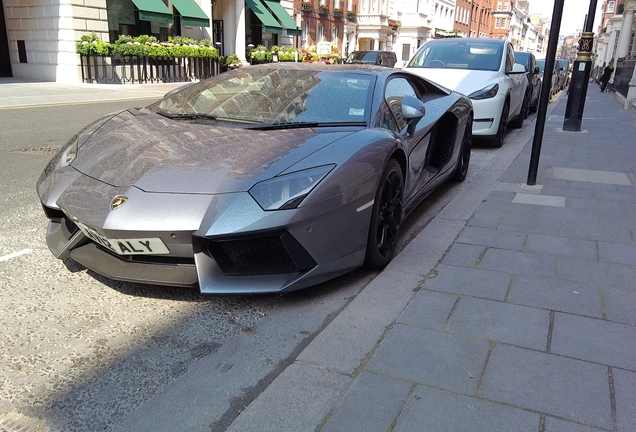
(268, 178)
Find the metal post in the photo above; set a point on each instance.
(557, 12)
(580, 76)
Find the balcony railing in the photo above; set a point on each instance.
(144, 70)
(307, 7)
(323, 10)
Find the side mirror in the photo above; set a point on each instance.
(518, 68)
(537, 71)
(412, 108)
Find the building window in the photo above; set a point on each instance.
(321, 33)
(610, 6)
(504, 23)
(334, 34)
(497, 22)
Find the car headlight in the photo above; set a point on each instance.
(485, 93)
(64, 156)
(288, 190)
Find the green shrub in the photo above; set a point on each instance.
(146, 46)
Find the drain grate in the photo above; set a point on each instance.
(43, 150)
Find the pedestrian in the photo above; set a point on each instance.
(607, 73)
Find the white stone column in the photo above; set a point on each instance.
(626, 30)
(240, 41)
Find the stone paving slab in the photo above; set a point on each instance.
(492, 238)
(428, 408)
(519, 262)
(551, 245)
(469, 281)
(437, 359)
(557, 425)
(352, 335)
(305, 406)
(594, 176)
(625, 387)
(562, 387)
(596, 272)
(617, 253)
(428, 309)
(594, 340)
(371, 404)
(620, 303)
(557, 295)
(501, 322)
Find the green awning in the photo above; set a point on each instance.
(269, 22)
(153, 10)
(286, 20)
(191, 13)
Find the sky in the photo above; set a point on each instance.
(574, 12)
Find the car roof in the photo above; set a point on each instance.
(471, 40)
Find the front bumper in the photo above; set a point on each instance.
(487, 115)
(222, 244)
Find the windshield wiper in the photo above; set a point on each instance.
(298, 125)
(186, 116)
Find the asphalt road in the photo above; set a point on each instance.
(81, 352)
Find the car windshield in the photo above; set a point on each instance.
(458, 55)
(271, 95)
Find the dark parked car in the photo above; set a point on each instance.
(267, 178)
(379, 58)
(533, 92)
(555, 79)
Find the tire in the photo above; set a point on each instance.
(498, 140)
(517, 123)
(386, 217)
(463, 160)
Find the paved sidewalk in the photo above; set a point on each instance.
(514, 310)
(17, 93)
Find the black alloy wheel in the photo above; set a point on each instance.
(386, 217)
(498, 140)
(463, 160)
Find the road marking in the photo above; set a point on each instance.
(15, 254)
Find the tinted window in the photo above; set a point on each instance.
(270, 95)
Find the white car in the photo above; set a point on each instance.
(486, 71)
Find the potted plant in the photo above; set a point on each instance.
(323, 9)
(306, 6)
(337, 13)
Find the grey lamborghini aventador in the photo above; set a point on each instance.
(267, 178)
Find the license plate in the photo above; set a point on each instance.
(126, 246)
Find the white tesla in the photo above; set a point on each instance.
(486, 71)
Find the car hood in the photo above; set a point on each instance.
(461, 80)
(156, 154)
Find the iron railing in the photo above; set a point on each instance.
(118, 69)
(623, 75)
